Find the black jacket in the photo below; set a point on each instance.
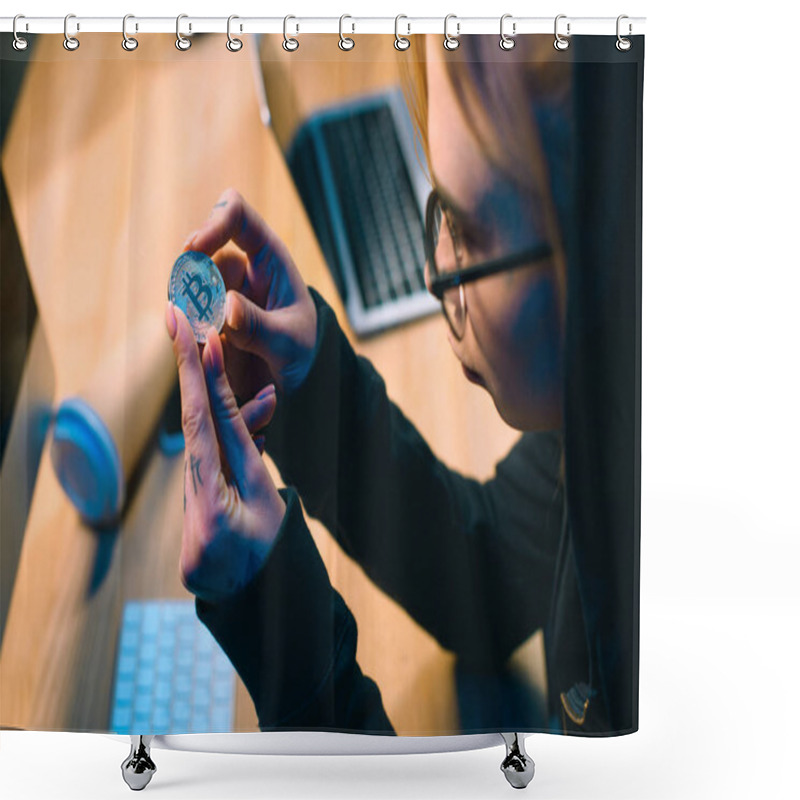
(481, 566)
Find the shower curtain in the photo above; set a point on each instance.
(448, 443)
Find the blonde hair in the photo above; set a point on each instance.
(499, 93)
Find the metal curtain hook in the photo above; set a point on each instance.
(70, 42)
(400, 42)
(19, 42)
(128, 42)
(506, 42)
(560, 42)
(345, 42)
(622, 43)
(181, 42)
(233, 44)
(451, 42)
(290, 44)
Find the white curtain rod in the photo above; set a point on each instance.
(629, 26)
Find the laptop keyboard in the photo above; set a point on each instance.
(381, 218)
(172, 676)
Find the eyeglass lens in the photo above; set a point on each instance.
(447, 258)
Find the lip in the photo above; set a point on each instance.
(469, 374)
(472, 376)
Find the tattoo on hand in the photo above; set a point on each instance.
(195, 468)
(221, 204)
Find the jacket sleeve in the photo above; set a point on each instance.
(473, 563)
(292, 639)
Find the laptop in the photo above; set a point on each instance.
(356, 170)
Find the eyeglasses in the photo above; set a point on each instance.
(448, 262)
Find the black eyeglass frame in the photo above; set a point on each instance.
(441, 282)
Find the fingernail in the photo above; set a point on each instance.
(189, 239)
(172, 323)
(266, 392)
(213, 355)
(232, 318)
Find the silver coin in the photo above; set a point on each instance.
(197, 288)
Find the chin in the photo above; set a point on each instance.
(540, 417)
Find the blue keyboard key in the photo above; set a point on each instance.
(124, 692)
(182, 689)
(127, 664)
(121, 719)
(161, 719)
(145, 678)
(151, 619)
(165, 667)
(223, 691)
(163, 692)
(202, 672)
(181, 712)
(141, 722)
(186, 635)
(148, 652)
(142, 705)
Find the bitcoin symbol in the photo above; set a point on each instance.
(196, 290)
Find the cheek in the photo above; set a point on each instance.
(536, 337)
(485, 335)
(516, 329)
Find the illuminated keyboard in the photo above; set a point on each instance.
(356, 170)
(171, 676)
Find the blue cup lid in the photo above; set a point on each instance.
(86, 462)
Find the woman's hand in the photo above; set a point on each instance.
(270, 319)
(232, 509)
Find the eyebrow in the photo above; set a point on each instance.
(451, 204)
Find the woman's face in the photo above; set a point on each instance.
(512, 342)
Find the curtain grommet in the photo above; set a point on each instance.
(507, 42)
(71, 43)
(181, 42)
(290, 44)
(401, 43)
(451, 42)
(345, 42)
(560, 42)
(129, 43)
(19, 43)
(623, 44)
(233, 44)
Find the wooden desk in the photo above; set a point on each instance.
(292, 80)
(111, 160)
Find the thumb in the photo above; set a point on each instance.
(247, 326)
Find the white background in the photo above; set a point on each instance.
(720, 604)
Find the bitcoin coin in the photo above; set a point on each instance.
(197, 288)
